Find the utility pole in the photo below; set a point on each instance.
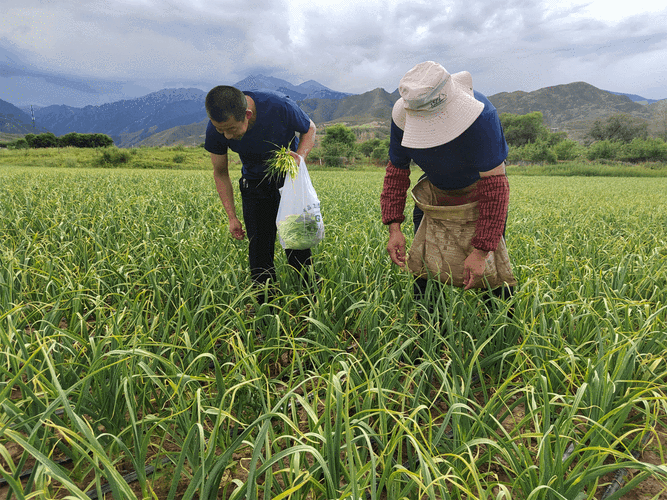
(32, 111)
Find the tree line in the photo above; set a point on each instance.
(619, 138)
(339, 147)
(49, 140)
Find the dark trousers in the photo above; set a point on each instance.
(260, 199)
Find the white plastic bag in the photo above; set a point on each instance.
(299, 220)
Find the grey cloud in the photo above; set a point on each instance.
(348, 46)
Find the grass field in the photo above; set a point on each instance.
(128, 339)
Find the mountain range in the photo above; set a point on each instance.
(174, 116)
(306, 90)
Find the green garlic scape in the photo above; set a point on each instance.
(282, 163)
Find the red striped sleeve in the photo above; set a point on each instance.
(494, 196)
(394, 193)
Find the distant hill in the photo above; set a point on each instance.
(572, 108)
(13, 120)
(564, 103)
(371, 107)
(636, 98)
(306, 90)
(128, 122)
(133, 121)
(188, 135)
(177, 116)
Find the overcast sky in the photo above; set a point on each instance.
(347, 45)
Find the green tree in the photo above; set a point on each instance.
(337, 145)
(642, 150)
(334, 154)
(567, 150)
(381, 153)
(76, 140)
(523, 129)
(623, 128)
(339, 134)
(540, 151)
(604, 150)
(21, 143)
(366, 148)
(46, 140)
(72, 139)
(100, 141)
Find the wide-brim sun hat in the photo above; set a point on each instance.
(435, 106)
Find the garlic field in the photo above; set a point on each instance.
(136, 363)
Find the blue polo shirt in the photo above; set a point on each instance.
(457, 164)
(278, 120)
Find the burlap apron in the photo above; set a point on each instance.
(442, 242)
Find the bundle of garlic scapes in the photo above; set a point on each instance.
(282, 163)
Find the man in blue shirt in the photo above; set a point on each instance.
(254, 125)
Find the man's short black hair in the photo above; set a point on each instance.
(223, 102)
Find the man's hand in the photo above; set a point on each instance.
(236, 229)
(224, 186)
(396, 245)
(297, 157)
(473, 268)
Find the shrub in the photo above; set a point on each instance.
(46, 140)
(567, 150)
(335, 154)
(100, 141)
(114, 157)
(316, 154)
(515, 155)
(641, 150)
(333, 161)
(539, 152)
(380, 154)
(604, 150)
(19, 144)
(74, 139)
